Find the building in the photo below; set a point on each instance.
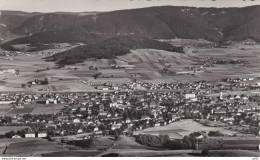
(190, 96)
(30, 135)
(76, 120)
(7, 102)
(221, 95)
(42, 135)
(16, 136)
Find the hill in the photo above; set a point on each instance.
(110, 48)
(10, 20)
(72, 35)
(166, 22)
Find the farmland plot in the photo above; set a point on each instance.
(32, 147)
(182, 128)
(47, 109)
(19, 111)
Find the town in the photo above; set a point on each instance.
(124, 109)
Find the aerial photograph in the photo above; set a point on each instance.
(129, 78)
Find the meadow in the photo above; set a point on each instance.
(243, 143)
(4, 108)
(179, 129)
(47, 109)
(32, 147)
(141, 64)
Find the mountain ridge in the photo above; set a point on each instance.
(164, 22)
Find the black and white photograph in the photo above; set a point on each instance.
(129, 78)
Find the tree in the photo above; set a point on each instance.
(215, 134)
(186, 142)
(10, 134)
(96, 75)
(130, 133)
(152, 140)
(46, 81)
(205, 152)
(174, 144)
(117, 133)
(50, 131)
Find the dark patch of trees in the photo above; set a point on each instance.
(85, 143)
(110, 48)
(117, 133)
(19, 132)
(152, 140)
(215, 134)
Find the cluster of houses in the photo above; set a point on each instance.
(31, 135)
(18, 100)
(210, 61)
(39, 82)
(235, 84)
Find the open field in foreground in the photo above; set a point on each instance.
(32, 147)
(243, 143)
(233, 153)
(78, 153)
(183, 153)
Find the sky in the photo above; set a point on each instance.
(110, 5)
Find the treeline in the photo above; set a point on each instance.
(19, 132)
(111, 48)
(165, 142)
(152, 140)
(86, 143)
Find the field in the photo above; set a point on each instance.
(233, 153)
(20, 111)
(250, 55)
(4, 108)
(31, 147)
(178, 130)
(27, 108)
(141, 64)
(47, 109)
(7, 141)
(244, 143)
(149, 62)
(124, 146)
(82, 153)
(33, 108)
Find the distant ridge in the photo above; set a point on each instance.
(214, 24)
